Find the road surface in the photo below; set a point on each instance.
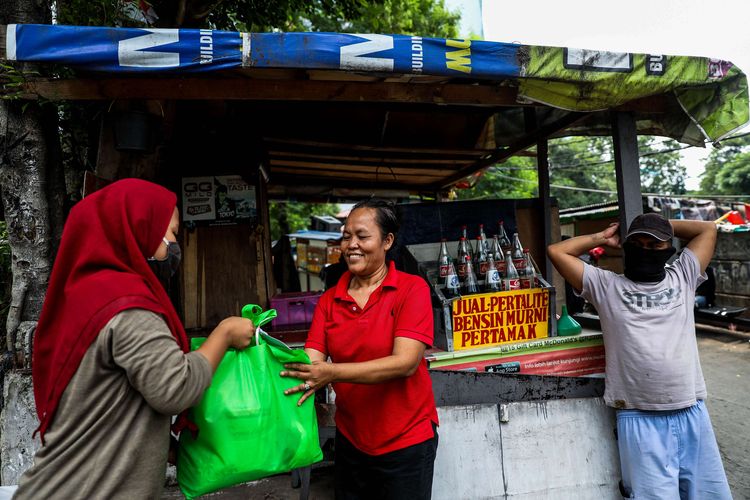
(726, 368)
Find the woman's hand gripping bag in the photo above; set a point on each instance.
(247, 427)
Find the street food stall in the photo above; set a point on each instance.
(247, 117)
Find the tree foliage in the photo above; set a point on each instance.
(244, 15)
(428, 18)
(728, 168)
(418, 17)
(578, 164)
(289, 217)
(582, 163)
(515, 178)
(661, 168)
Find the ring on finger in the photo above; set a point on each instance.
(306, 386)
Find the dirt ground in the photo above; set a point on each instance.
(273, 488)
(726, 368)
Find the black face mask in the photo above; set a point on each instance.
(165, 269)
(646, 266)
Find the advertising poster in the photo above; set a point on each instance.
(492, 319)
(220, 199)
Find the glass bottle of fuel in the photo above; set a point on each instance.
(458, 248)
(516, 252)
(492, 281)
(528, 279)
(477, 256)
(463, 255)
(483, 238)
(498, 256)
(451, 284)
(512, 280)
(502, 236)
(444, 259)
(470, 280)
(483, 260)
(469, 248)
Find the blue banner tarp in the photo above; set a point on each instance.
(125, 49)
(190, 50)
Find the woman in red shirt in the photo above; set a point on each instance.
(375, 326)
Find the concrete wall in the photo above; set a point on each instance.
(731, 264)
(527, 450)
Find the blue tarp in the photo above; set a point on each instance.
(190, 50)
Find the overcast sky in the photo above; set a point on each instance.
(719, 28)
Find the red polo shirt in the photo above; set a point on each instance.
(392, 415)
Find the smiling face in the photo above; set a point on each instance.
(363, 245)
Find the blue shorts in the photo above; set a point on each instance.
(667, 455)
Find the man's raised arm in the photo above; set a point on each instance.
(564, 255)
(701, 237)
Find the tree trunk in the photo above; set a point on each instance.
(30, 179)
(24, 173)
(31, 183)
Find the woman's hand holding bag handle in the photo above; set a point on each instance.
(248, 428)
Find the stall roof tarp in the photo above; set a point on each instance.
(712, 93)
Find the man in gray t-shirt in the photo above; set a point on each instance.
(653, 374)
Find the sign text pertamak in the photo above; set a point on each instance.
(491, 319)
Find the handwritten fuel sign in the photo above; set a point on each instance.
(491, 319)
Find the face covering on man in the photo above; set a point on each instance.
(644, 265)
(165, 269)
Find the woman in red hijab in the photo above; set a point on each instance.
(111, 362)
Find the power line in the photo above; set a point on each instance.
(602, 162)
(744, 134)
(595, 163)
(594, 155)
(605, 191)
(606, 162)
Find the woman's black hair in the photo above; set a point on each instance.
(385, 215)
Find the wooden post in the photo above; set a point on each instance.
(265, 262)
(628, 171)
(542, 163)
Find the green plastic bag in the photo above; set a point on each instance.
(248, 427)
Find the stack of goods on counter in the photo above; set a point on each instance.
(490, 265)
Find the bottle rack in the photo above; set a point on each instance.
(421, 259)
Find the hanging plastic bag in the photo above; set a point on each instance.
(247, 427)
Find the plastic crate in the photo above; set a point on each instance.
(294, 308)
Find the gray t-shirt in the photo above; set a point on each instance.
(649, 336)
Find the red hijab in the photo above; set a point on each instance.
(100, 270)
